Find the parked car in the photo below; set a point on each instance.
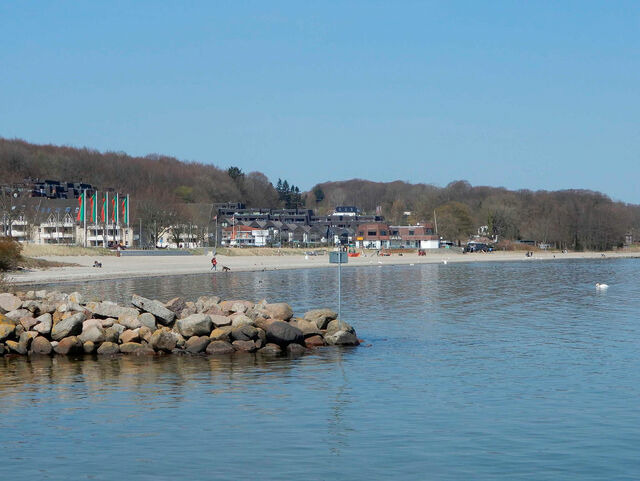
(477, 247)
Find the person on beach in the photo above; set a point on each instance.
(214, 264)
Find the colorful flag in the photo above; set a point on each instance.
(125, 210)
(93, 204)
(114, 209)
(104, 209)
(80, 216)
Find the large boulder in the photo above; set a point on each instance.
(220, 321)
(245, 346)
(205, 303)
(17, 347)
(308, 328)
(129, 322)
(6, 330)
(280, 310)
(239, 320)
(18, 314)
(88, 347)
(175, 305)
(68, 345)
(44, 324)
(163, 340)
(282, 333)
(271, 350)
(68, 327)
(163, 315)
(338, 325)
(221, 333)
(195, 325)
(111, 309)
(129, 336)
(295, 350)
(342, 338)
(108, 348)
(244, 333)
(314, 341)
(9, 302)
(320, 317)
(219, 347)
(149, 320)
(41, 346)
(196, 344)
(76, 298)
(93, 333)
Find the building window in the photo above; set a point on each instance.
(383, 232)
(371, 232)
(412, 232)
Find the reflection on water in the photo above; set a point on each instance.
(515, 370)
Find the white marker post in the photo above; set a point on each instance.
(339, 258)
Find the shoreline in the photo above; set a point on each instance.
(126, 267)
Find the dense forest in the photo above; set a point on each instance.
(161, 186)
(573, 219)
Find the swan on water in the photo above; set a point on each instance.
(601, 286)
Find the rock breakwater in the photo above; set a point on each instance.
(51, 322)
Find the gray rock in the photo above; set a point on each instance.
(108, 322)
(108, 348)
(282, 333)
(220, 321)
(129, 322)
(9, 302)
(44, 324)
(17, 314)
(163, 340)
(41, 346)
(280, 310)
(320, 317)
(76, 298)
(28, 322)
(238, 320)
(162, 314)
(149, 320)
(15, 346)
(206, 302)
(196, 344)
(112, 334)
(338, 325)
(176, 304)
(68, 327)
(342, 338)
(111, 309)
(244, 333)
(93, 333)
(91, 323)
(308, 328)
(219, 347)
(41, 294)
(195, 325)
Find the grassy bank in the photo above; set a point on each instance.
(33, 250)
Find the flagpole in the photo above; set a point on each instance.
(128, 218)
(84, 206)
(106, 221)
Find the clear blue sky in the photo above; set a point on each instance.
(538, 95)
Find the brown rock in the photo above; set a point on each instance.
(271, 350)
(314, 341)
(41, 346)
(6, 330)
(220, 321)
(295, 350)
(219, 347)
(108, 348)
(88, 347)
(163, 340)
(145, 333)
(129, 336)
(244, 346)
(176, 304)
(16, 347)
(279, 310)
(28, 322)
(221, 334)
(196, 344)
(68, 345)
(264, 323)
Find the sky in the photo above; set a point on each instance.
(524, 95)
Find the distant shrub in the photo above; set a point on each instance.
(9, 254)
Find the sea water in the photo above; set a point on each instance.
(484, 371)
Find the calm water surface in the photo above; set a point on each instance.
(516, 370)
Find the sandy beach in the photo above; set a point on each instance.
(145, 266)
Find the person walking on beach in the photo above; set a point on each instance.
(214, 264)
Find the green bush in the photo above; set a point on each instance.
(9, 254)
